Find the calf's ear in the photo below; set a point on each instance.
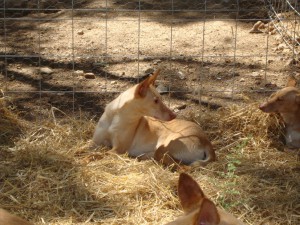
(153, 77)
(143, 87)
(189, 192)
(208, 214)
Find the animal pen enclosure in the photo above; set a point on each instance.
(62, 61)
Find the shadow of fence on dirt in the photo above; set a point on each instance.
(196, 10)
(68, 99)
(64, 97)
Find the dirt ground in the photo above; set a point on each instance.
(78, 60)
(213, 59)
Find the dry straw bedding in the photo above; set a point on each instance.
(9, 122)
(45, 178)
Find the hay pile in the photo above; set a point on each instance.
(46, 179)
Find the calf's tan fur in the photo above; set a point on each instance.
(199, 210)
(137, 122)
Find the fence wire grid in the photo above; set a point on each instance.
(73, 54)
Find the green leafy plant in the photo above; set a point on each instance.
(231, 196)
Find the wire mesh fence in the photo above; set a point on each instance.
(72, 53)
(285, 16)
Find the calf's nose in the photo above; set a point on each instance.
(262, 107)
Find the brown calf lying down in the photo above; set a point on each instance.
(8, 219)
(199, 210)
(286, 102)
(137, 122)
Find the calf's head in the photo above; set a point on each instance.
(199, 210)
(148, 102)
(286, 100)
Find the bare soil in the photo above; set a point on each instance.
(208, 54)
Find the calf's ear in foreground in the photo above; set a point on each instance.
(189, 192)
(208, 214)
(191, 196)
